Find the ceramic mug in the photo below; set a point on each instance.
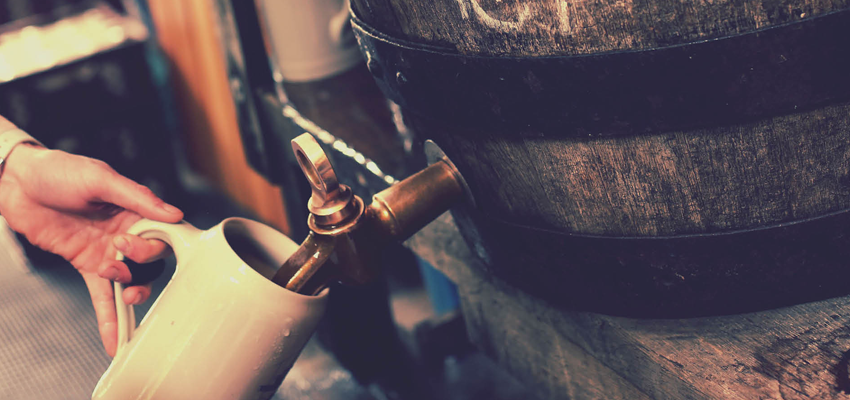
(220, 329)
(309, 39)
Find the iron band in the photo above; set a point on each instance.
(779, 70)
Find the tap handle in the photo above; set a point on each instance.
(316, 167)
(332, 203)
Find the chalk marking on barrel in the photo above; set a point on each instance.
(489, 21)
(564, 17)
(463, 13)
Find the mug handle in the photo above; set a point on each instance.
(180, 236)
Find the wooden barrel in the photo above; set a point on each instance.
(660, 159)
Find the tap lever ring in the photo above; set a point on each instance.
(332, 203)
(316, 167)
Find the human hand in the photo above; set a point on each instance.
(79, 208)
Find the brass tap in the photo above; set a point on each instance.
(345, 237)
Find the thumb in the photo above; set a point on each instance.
(123, 192)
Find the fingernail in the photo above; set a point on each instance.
(111, 273)
(137, 299)
(121, 243)
(169, 208)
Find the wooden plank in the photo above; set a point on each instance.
(742, 176)
(799, 352)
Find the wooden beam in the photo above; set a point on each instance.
(189, 36)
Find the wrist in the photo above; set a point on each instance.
(24, 151)
(18, 150)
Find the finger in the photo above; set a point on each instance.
(115, 270)
(116, 189)
(103, 300)
(136, 294)
(140, 250)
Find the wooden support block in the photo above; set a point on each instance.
(799, 352)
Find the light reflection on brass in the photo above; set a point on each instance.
(305, 262)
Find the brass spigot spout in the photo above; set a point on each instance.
(341, 226)
(406, 207)
(303, 265)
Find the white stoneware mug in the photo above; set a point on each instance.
(309, 39)
(220, 329)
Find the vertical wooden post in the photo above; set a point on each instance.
(188, 34)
